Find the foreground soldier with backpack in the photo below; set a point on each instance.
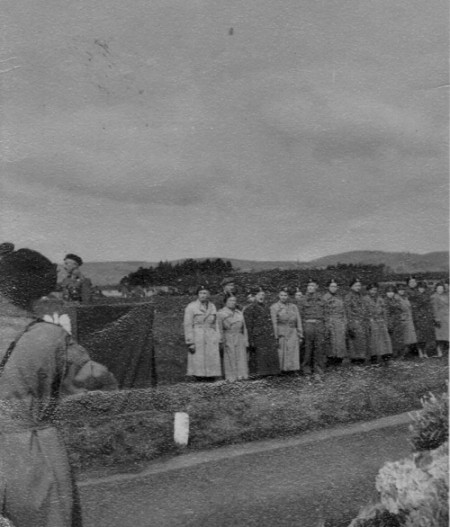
(38, 364)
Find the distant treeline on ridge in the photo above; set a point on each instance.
(166, 273)
(189, 273)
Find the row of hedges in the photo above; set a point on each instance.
(123, 428)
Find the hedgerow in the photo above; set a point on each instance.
(129, 427)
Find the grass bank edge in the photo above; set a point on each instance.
(104, 429)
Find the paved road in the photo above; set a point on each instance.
(293, 485)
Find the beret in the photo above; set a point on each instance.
(74, 257)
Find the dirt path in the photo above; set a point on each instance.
(285, 485)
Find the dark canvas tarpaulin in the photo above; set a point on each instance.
(120, 336)
(125, 346)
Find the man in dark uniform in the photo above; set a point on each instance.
(312, 313)
(228, 288)
(75, 286)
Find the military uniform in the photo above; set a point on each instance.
(312, 313)
(38, 361)
(76, 288)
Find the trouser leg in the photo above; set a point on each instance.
(309, 343)
(319, 349)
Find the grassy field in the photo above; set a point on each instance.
(124, 429)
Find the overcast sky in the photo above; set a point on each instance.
(162, 129)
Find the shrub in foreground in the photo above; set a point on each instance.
(413, 492)
(430, 426)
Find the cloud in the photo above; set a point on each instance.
(307, 130)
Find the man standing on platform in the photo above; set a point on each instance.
(312, 313)
(75, 286)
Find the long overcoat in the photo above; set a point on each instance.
(357, 325)
(234, 338)
(263, 359)
(440, 312)
(335, 325)
(200, 329)
(287, 327)
(395, 327)
(409, 331)
(379, 340)
(422, 312)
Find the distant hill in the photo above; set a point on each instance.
(110, 273)
(397, 262)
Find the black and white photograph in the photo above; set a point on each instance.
(224, 263)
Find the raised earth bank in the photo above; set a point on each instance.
(123, 429)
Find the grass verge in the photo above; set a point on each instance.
(123, 429)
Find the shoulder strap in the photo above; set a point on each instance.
(14, 343)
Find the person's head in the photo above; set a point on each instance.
(439, 288)
(311, 286)
(298, 294)
(203, 293)
(26, 276)
(250, 297)
(412, 282)
(283, 295)
(72, 262)
(260, 295)
(332, 286)
(231, 302)
(355, 285)
(401, 289)
(421, 287)
(228, 285)
(372, 289)
(391, 291)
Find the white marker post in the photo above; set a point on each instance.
(181, 428)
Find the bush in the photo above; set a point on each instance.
(413, 493)
(430, 427)
(377, 516)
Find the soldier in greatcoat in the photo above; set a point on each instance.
(287, 326)
(379, 341)
(394, 312)
(202, 337)
(441, 318)
(263, 359)
(234, 341)
(357, 324)
(335, 324)
(422, 312)
(407, 323)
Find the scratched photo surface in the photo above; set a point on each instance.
(279, 136)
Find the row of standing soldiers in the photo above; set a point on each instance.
(312, 331)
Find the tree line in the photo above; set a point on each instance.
(166, 273)
(186, 275)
